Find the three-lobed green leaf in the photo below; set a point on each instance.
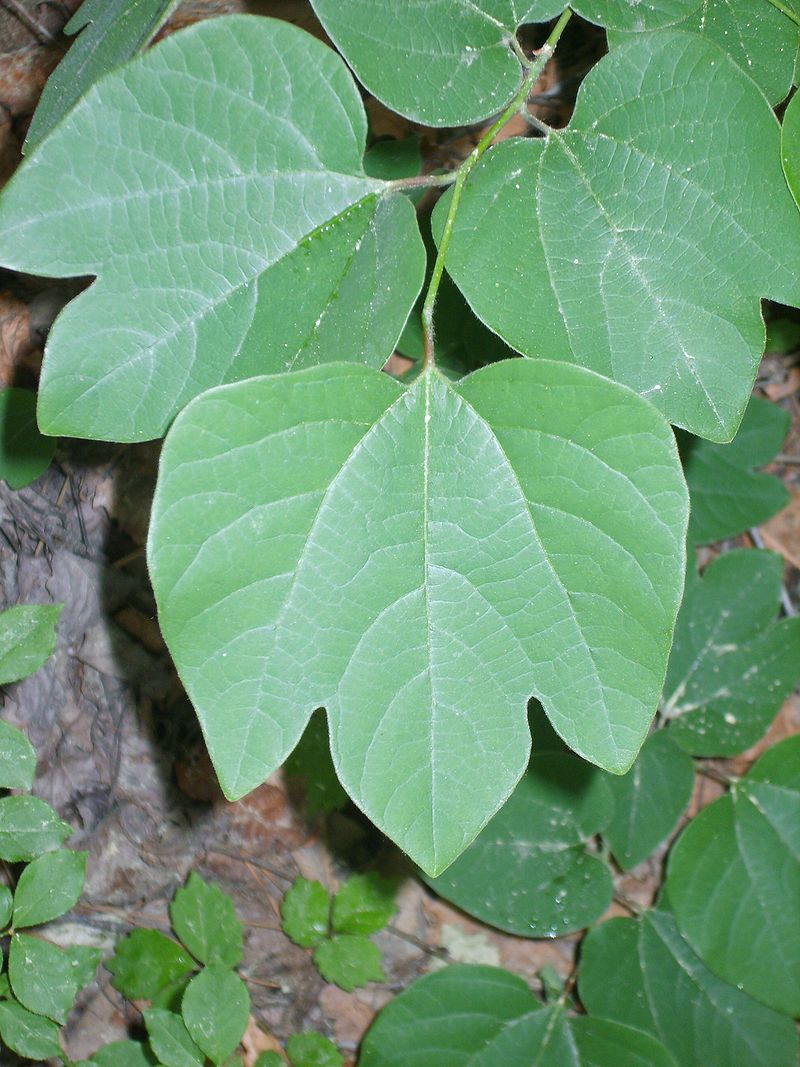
(305, 912)
(280, 596)
(668, 172)
(197, 233)
(364, 904)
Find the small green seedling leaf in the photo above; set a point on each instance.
(484, 1016)
(216, 1007)
(27, 1034)
(733, 881)
(758, 37)
(170, 1040)
(147, 963)
(349, 961)
(6, 907)
(305, 912)
(270, 1059)
(112, 31)
(311, 760)
(29, 827)
(285, 209)
(27, 637)
(204, 919)
(642, 973)
(364, 904)
(313, 1050)
(732, 665)
(44, 978)
(24, 452)
(607, 274)
(430, 740)
(728, 495)
(550, 885)
(17, 759)
(649, 800)
(48, 887)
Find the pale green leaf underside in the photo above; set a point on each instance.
(759, 37)
(734, 881)
(642, 973)
(732, 665)
(655, 223)
(302, 522)
(215, 185)
(484, 1016)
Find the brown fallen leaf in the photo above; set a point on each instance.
(782, 533)
(256, 1041)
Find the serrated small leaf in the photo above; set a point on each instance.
(733, 881)
(124, 1054)
(17, 759)
(732, 665)
(48, 887)
(29, 827)
(24, 452)
(305, 912)
(6, 907)
(349, 961)
(27, 637)
(621, 216)
(204, 918)
(111, 31)
(311, 760)
(484, 1017)
(170, 1040)
(728, 496)
(146, 963)
(649, 800)
(430, 739)
(216, 1007)
(642, 973)
(364, 904)
(757, 36)
(215, 228)
(313, 1050)
(44, 978)
(549, 885)
(27, 1034)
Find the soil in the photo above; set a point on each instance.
(120, 754)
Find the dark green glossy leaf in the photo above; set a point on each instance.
(170, 1040)
(27, 637)
(431, 737)
(732, 665)
(549, 885)
(349, 961)
(642, 973)
(205, 920)
(17, 759)
(29, 827)
(48, 887)
(622, 215)
(113, 31)
(734, 881)
(215, 227)
(649, 800)
(124, 1054)
(27, 1034)
(313, 1050)
(44, 978)
(146, 963)
(216, 1007)
(24, 452)
(728, 496)
(305, 911)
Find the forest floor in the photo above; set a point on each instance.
(120, 753)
